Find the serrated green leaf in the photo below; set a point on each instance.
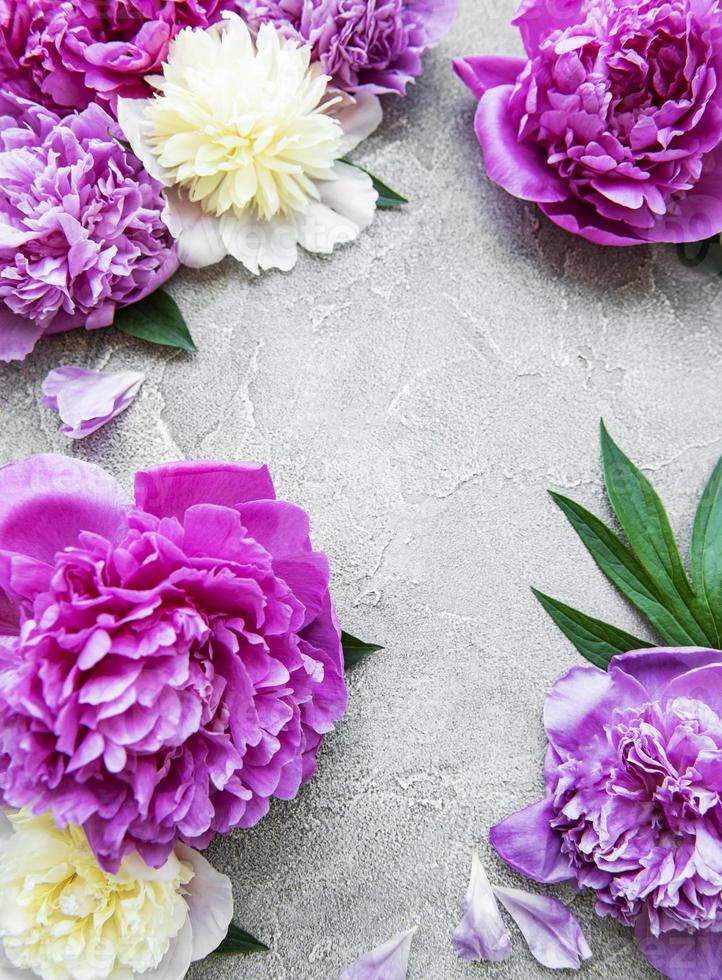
(622, 568)
(597, 641)
(239, 941)
(706, 549)
(355, 650)
(156, 319)
(387, 198)
(644, 521)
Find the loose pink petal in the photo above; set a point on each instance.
(387, 962)
(552, 933)
(86, 400)
(481, 934)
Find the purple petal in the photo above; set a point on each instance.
(18, 336)
(86, 400)
(168, 491)
(552, 933)
(680, 955)
(656, 667)
(482, 72)
(387, 962)
(577, 706)
(47, 500)
(527, 841)
(481, 934)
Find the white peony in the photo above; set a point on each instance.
(246, 138)
(63, 918)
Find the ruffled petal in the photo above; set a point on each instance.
(552, 933)
(86, 400)
(210, 903)
(168, 491)
(359, 119)
(387, 962)
(527, 841)
(46, 501)
(482, 72)
(481, 934)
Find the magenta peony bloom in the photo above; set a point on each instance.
(168, 667)
(80, 226)
(364, 45)
(613, 121)
(634, 801)
(74, 52)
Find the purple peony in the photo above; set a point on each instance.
(80, 226)
(68, 54)
(167, 667)
(613, 121)
(364, 45)
(634, 802)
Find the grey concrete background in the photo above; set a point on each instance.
(417, 392)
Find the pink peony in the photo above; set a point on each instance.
(167, 667)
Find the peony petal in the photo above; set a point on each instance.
(281, 528)
(655, 668)
(387, 962)
(518, 166)
(527, 842)
(260, 244)
(46, 501)
(176, 962)
(576, 707)
(681, 956)
(483, 72)
(131, 119)
(552, 933)
(197, 233)
(359, 120)
(347, 206)
(481, 934)
(86, 400)
(210, 903)
(168, 491)
(18, 336)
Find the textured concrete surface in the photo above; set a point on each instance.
(418, 392)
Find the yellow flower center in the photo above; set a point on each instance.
(240, 124)
(64, 918)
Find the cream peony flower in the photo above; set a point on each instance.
(246, 138)
(63, 918)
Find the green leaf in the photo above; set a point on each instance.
(706, 549)
(239, 941)
(387, 198)
(355, 650)
(156, 319)
(594, 639)
(622, 568)
(647, 528)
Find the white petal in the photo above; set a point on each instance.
(260, 244)
(131, 120)
(10, 972)
(352, 194)
(198, 234)
(359, 120)
(6, 828)
(481, 934)
(176, 961)
(210, 903)
(387, 962)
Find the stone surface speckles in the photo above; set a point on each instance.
(417, 392)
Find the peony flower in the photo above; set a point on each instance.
(80, 227)
(86, 400)
(245, 138)
(63, 918)
(68, 54)
(364, 45)
(173, 664)
(634, 802)
(613, 121)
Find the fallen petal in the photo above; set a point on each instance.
(387, 962)
(552, 933)
(86, 400)
(481, 934)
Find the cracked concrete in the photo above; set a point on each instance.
(417, 392)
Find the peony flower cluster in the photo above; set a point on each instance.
(170, 665)
(634, 801)
(80, 226)
(64, 918)
(364, 46)
(612, 123)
